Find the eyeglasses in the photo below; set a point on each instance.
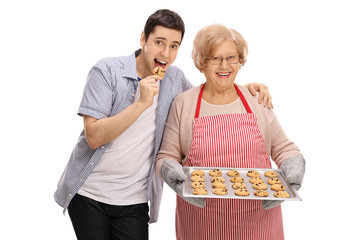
(219, 60)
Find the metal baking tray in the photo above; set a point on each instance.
(188, 190)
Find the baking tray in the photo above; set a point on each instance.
(188, 190)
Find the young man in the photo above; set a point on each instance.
(110, 176)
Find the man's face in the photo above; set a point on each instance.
(161, 48)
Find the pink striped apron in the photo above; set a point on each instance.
(230, 141)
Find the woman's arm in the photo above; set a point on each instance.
(169, 158)
(281, 146)
(171, 145)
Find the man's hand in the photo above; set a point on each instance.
(148, 89)
(264, 93)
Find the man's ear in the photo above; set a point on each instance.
(142, 39)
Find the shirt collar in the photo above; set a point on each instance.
(130, 66)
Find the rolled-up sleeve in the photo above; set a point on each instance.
(97, 96)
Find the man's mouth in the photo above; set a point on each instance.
(160, 63)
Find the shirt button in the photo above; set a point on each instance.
(70, 194)
(81, 179)
(92, 164)
(102, 147)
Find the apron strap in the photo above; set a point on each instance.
(243, 100)
(246, 105)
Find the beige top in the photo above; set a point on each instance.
(178, 129)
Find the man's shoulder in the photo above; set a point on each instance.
(110, 62)
(174, 72)
(177, 76)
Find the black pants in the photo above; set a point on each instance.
(93, 220)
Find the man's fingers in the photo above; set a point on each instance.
(270, 104)
(262, 97)
(251, 89)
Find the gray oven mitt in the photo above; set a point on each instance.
(172, 173)
(293, 169)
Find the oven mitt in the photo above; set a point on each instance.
(293, 169)
(172, 173)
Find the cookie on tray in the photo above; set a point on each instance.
(270, 173)
(238, 185)
(200, 191)
(218, 185)
(281, 194)
(197, 173)
(278, 187)
(233, 173)
(242, 192)
(260, 186)
(261, 193)
(253, 173)
(197, 178)
(198, 185)
(274, 180)
(215, 172)
(256, 180)
(236, 179)
(217, 179)
(220, 191)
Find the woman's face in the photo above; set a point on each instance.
(223, 75)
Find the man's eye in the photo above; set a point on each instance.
(158, 42)
(174, 46)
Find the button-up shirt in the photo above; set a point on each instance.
(110, 88)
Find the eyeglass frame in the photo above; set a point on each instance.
(222, 59)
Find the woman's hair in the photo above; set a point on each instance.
(208, 38)
(165, 18)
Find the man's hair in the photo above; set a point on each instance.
(165, 18)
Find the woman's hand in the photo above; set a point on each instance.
(294, 170)
(264, 93)
(172, 173)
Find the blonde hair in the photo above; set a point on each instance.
(208, 38)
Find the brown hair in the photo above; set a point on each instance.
(165, 18)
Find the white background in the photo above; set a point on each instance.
(307, 52)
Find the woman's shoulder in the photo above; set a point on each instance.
(253, 101)
(188, 96)
(245, 91)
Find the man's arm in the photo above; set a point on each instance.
(101, 131)
(264, 96)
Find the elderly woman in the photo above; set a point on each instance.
(223, 121)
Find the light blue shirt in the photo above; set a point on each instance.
(110, 88)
